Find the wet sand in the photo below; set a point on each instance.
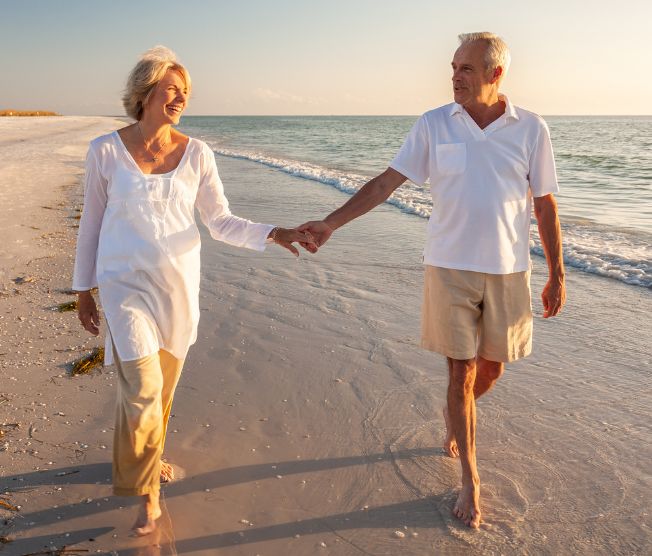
(308, 420)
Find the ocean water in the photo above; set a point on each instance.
(604, 166)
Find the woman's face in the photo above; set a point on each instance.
(169, 99)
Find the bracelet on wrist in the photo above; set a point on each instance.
(273, 233)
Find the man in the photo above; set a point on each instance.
(486, 160)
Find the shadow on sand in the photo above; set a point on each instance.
(422, 512)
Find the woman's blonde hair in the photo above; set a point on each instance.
(142, 80)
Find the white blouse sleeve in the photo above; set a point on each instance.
(95, 196)
(214, 210)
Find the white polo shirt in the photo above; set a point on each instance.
(482, 183)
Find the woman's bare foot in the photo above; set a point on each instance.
(167, 472)
(450, 444)
(149, 512)
(467, 507)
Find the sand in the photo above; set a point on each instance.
(308, 420)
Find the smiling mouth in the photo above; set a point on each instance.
(175, 109)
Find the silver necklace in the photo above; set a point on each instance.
(154, 156)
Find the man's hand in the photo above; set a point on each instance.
(88, 313)
(553, 297)
(286, 236)
(318, 229)
(554, 292)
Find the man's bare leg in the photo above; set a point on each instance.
(461, 413)
(487, 373)
(149, 512)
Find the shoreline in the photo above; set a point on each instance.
(318, 361)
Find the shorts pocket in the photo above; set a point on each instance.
(451, 158)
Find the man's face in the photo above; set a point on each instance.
(472, 82)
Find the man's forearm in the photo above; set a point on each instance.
(370, 195)
(550, 234)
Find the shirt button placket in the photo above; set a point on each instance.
(166, 192)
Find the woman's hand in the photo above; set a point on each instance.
(88, 313)
(286, 236)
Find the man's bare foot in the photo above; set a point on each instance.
(149, 512)
(467, 507)
(167, 472)
(450, 444)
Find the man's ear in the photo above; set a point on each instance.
(498, 72)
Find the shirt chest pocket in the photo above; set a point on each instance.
(451, 158)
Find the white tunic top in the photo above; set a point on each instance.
(482, 182)
(139, 243)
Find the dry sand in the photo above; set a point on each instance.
(307, 420)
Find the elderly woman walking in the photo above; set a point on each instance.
(139, 243)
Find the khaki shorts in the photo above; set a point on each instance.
(466, 314)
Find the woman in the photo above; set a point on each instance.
(139, 243)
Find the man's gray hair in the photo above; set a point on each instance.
(497, 51)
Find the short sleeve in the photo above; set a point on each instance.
(413, 159)
(95, 197)
(214, 211)
(543, 173)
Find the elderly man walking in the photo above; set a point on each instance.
(488, 162)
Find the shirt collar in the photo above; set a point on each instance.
(510, 110)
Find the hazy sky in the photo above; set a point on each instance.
(325, 57)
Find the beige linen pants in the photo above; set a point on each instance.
(145, 390)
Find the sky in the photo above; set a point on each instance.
(286, 57)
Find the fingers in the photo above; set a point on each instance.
(88, 314)
(286, 237)
(552, 304)
(95, 317)
(301, 237)
(319, 230)
(544, 300)
(291, 248)
(553, 309)
(311, 247)
(89, 323)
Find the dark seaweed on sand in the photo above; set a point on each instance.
(67, 306)
(89, 362)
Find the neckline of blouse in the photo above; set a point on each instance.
(135, 164)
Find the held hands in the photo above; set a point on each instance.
(319, 230)
(553, 297)
(285, 237)
(87, 312)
